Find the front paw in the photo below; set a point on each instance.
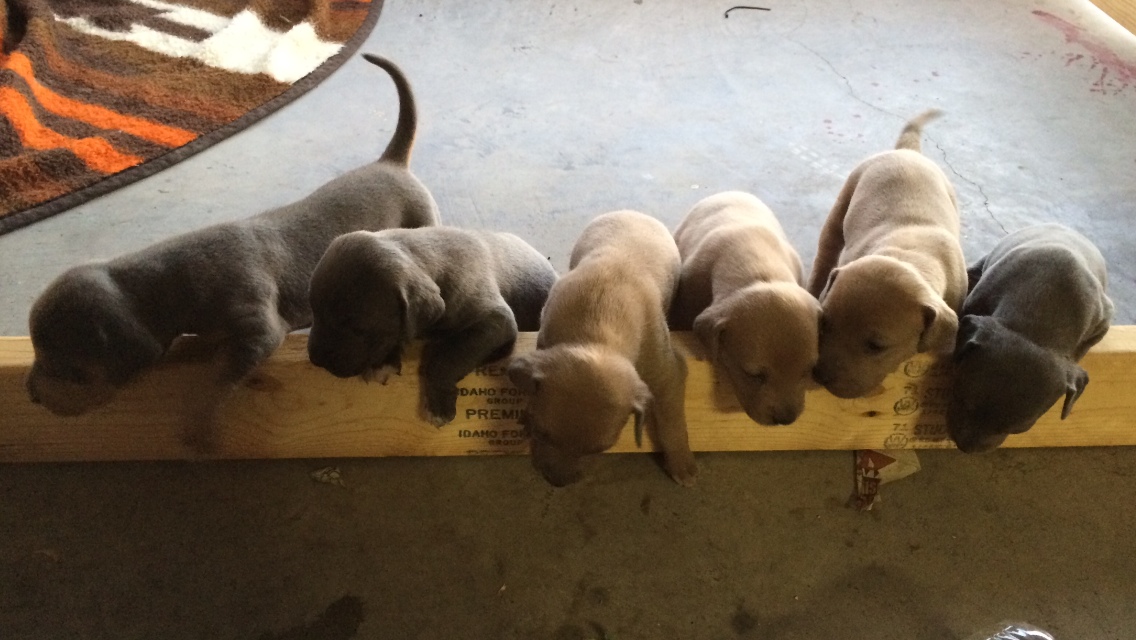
(383, 374)
(440, 405)
(683, 469)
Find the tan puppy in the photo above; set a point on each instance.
(243, 284)
(889, 271)
(741, 292)
(604, 351)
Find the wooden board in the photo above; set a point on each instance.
(291, 409)
(1123, 11)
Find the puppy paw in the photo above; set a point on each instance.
(382, 375)
(684, 473)
(440, 406)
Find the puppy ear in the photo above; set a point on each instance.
(967, 338)
(1076, 380)
(127, 348)
(523, 373)
(708, 326)
(422, 305)
(639, 407)
(940, 324)
(828, 284)
(974, 274)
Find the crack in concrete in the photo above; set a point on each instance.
(844, 78)
(855, 96)
(981, 191)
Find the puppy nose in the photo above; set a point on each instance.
(785, 416)
(317, 356)
(821, 376)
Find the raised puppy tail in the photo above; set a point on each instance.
(398, 150)
(913, 130)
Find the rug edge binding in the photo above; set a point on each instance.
(21, 219)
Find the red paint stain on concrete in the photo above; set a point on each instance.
(1116, 74)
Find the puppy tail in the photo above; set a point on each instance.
(913, 130)
(398, 150)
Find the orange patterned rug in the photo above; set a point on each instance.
(95, 94)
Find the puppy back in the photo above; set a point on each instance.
(524, 275)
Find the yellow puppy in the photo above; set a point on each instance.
(889, 271)
(741, 292)
(604, 351)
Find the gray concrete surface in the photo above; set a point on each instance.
(535, 117)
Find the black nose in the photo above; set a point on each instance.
(784, 417)
(317, 356)
(821, 376)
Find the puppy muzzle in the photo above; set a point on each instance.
(32, 395)
(783, 417)
(330, 362)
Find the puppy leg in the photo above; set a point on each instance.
(445, 362)
(250, 341)
(668, 416)
(831, 241)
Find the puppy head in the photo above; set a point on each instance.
(88, 342)
(579, 401)
(367, 300)
(1003, 384)
(765, 338)
(877, 313)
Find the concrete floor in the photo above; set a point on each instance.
(535, 117)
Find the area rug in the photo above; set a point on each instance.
(96, 94)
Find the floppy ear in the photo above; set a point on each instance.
(1076, 380)
(422, 305)
(127, 346)
(967, 339)
(523, 373)
(708, 327)
(974, 274)
(642, 403)
(940, 324)
(828, 284)
(134, 354)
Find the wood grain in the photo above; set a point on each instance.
(291, 409)
(1123, 11)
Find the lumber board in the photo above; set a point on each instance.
(289, 408)
(1123, 11)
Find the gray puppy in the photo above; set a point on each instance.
(466, 292)
(1037, 303)
(243, 284)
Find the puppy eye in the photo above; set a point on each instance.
(759, 376)
(873, 347)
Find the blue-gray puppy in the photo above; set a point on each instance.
(242, 284)
(465, 292)
(1037, 303)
